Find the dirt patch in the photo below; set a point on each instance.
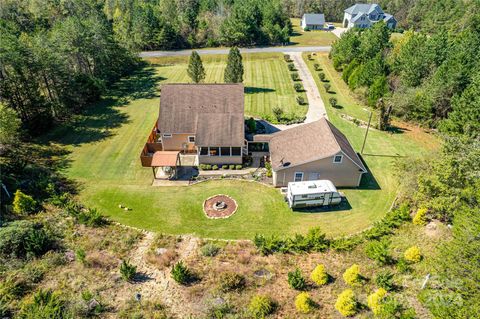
(219, 206)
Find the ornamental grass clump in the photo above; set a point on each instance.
(413, 254)
(304, 303)
(346, 303)
(374, 300)
(352, 275)
(319, 275)
(261, 306)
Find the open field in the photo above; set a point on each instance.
(105, 146)
(266, 78)
(315, 37)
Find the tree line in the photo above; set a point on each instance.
(431, 79)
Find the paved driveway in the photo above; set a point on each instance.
(286, 49)
(339, 31)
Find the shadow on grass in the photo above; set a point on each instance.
(338, 106)
(255, 90)
(344, 205)
(368, 180)
(396, 130)
(95, 123)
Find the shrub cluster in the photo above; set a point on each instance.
(379, 250)
(319, 275)
(304, 303)
(296, 280)
(261, 306)
(25, 239)
(346, 303)
(413, 254)
(83, 215)
(374, 300)
(208, 167)
(392, 220)
(352, 275)
(315, 240)
(45, 304)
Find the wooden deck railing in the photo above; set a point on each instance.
(151, 146)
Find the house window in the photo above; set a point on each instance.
(236, 151)
(225, 151)
(298, 177)
(165, 135)
(191, 139)
(338, 158)
(204, 151)
(213, 151)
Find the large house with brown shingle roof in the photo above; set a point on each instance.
(313, 151)
(202, 119)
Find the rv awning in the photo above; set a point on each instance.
(165, 158)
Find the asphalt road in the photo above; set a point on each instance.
(285, 49)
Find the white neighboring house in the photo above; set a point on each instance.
(365, 15)
(313, 21)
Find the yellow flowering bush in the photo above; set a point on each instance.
(303, 303)
(346, 303)
(420, 217)
(413, 254)
(374, 300)
(352, 275)
(319, 275)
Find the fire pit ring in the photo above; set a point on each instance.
(219, 206)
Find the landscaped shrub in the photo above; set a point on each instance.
(300, 100)
(251, 124)
(210, 250)
(346, 303)
(352, 275)
(379, 251)
(304, 303)
(261, 306)
(315, 240)
(22, 239)
(403, 266)
(346, 243)
(215, 167)
(333, 101)
(296, 280)
(80, 255)
(208, 167)
(413, 254)
(374, 300)
(268, 166)
(319, 275)
(91, 217)
(298, 87)
(295, 76)
(45, 304)
(23, 203)
(127, 270)
(225, 166)
(230, 281)
(420, 217)
(392, 308)
(278, 112)
(385, 280)
(309, 56)
(286, 57)
(322, 77)
(327, 87)
(181, 274)
(238, 167)
(291, 67)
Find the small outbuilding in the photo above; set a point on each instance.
(313, 21)
(314, 151)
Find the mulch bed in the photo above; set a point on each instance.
(223, 213)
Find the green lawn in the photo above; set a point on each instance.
(266, 78)
(106, 143)
(310, 38)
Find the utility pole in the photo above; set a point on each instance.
(366, 133)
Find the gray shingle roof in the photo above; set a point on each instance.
(213, 111)
(314, 18)
(363, 7)
(309, 142)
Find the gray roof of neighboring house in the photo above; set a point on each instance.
(309, 142)
(358, 16)
(363, 7)
(213, 112)
(314, 18)
(388, 17)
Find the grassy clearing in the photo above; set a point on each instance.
(310, 38)
(267, 80)
(382, 149)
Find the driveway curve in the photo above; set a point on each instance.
(152, 54)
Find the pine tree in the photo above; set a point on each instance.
(234, 69)
(195, 68)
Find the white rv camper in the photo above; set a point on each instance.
(312, 193)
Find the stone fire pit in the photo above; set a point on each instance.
(219, 206)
